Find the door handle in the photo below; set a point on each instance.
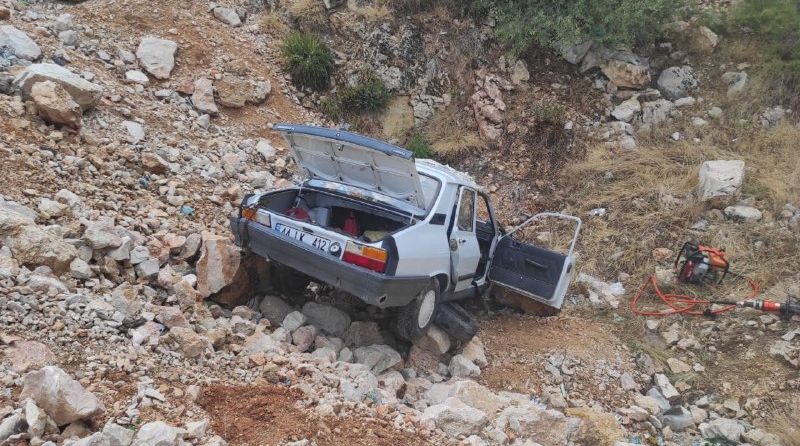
(461, 241)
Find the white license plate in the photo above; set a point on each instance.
(309, 239)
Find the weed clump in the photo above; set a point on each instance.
(308, 59)
(420, 146)
(366, 96)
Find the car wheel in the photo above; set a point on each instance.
(414, 319)
(287, 281)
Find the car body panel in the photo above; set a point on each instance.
(348, 158)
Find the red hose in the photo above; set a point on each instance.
(681, 303)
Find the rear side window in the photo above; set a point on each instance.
(466, 210)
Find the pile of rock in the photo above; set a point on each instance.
(487, 103)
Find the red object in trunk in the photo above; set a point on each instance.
(351, 225)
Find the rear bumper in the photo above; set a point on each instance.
(371, 287)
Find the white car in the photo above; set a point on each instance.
(396, 232)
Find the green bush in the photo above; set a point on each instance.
(420, 146)
(557, 23)
(308, 60)
(775, 26)
(368, 95)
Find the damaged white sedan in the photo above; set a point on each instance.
(396, 232)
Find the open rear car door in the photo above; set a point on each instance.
(532, 271)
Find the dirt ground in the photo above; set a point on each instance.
(268, 415)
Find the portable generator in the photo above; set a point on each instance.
(700, 264)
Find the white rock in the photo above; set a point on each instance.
(666, 388)
(19, 43)
(69, 38)
(456, 418)
(627, 110)
(227, 16)
(85, 93)
(136, 77)
(699, 122)
(135, 131)
(157, 56)
(724, 428)
(294, 320)
(746, 214)
(720, 178)
(60, 396)
(378, 358)
(158, 433)
(461, 367)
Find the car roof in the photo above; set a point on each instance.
(445, 173)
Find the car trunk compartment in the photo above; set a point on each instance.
(357, 220)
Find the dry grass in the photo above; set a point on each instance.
(650, 204)
(449, 131)
(308, 15)
(271, 23)
(372, 13)
(787, 429)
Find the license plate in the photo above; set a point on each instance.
(309, 239)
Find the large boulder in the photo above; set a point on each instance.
(31, 245)
(329, 318)
(627, 70)
(220, 271)
(85, 93)
(720, 179)
(60, 396)
(157, 56)
(55, 105)
(18, 43)
(677, 82)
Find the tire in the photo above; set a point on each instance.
(287, 281)
(456, 321)
(414, 319)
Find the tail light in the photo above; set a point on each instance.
(366, 256)
(257, 215)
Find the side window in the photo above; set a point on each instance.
(482, 212)
(466, 210)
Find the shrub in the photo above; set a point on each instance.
(368, 95)
(308, 60)
(775, 26)
(420, 146)
(557, 23)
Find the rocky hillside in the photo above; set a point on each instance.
(129, 131)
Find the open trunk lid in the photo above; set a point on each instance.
(355, 160)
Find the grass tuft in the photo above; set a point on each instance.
(308, 59)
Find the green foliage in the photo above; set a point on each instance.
(549, 113)
(308, 60)
(368, 95)
(420, 146)
(557, 23)
(775, 26)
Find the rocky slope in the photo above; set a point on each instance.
(130, 130)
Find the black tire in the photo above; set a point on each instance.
(287, 281)
(409, 324)
(456, 321)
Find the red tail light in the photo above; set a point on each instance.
(365, 256)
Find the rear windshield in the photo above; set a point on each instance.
(430, 189)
